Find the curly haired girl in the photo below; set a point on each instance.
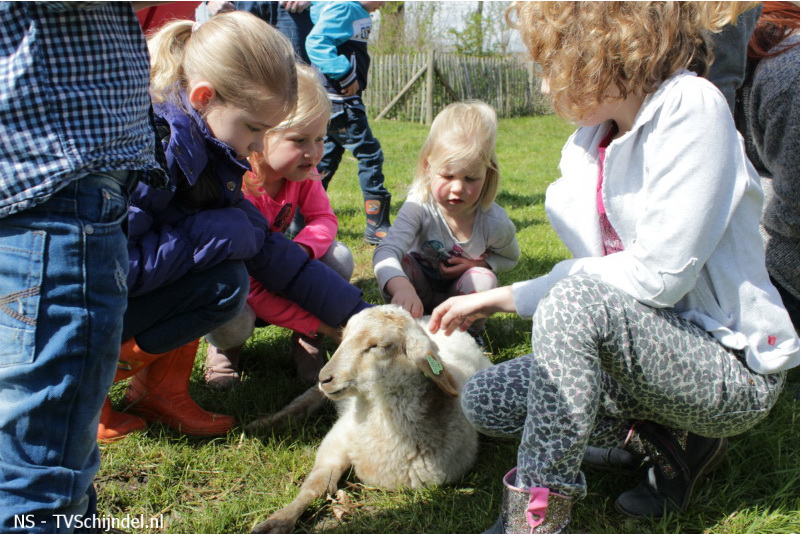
(665, 315)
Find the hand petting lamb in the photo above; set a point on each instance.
(400, 423)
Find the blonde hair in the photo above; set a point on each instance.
(247, 61)
(463, 132)
(592, 52)
(313, 103)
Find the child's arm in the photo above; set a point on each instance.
(283, 268)
(388, 254)
(332, 27)
(502, 245)
(403, 294)
(161, 253)
(321, 222)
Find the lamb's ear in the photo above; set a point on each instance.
(423, 352)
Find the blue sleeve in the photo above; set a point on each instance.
(164, 245)
(157, 255)
(283, 268)
(332, 27)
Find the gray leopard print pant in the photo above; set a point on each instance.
(600, 360)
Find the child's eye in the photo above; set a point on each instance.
(470, 179)
(254, 129)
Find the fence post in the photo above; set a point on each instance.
(429, 86)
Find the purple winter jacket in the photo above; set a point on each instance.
(206, 220)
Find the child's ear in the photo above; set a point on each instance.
(201, 95)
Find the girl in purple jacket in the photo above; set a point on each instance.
(217, 88)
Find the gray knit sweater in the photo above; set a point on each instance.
(767, 115)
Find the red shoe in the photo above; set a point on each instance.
(160, 392)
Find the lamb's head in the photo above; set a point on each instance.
(382, 345)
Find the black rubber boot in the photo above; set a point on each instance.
(612, 459)
(377, 219)
(677, 465)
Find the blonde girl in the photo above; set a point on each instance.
(450, 237)
(284, 177)
(665, 314)
(217, 88)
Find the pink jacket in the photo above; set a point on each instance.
(318, 235)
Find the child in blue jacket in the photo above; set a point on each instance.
(338, 46)
(217, 87)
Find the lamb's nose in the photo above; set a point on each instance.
(325, 379)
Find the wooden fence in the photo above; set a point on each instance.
(414, 87)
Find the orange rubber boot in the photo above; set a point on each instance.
(160, 392)
(116, 425)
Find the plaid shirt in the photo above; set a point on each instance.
(73, 98)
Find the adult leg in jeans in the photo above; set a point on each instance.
(63, 280)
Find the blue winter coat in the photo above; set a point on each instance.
(206, 220)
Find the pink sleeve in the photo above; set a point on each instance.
(321, 223)
(279, 311)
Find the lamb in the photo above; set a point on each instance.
(397, 427)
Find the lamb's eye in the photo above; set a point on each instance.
(379, 349)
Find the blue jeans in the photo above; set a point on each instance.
(350, 130)
(187, 309)
(294, 26)
(63, 269)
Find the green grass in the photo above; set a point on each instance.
(228, 484)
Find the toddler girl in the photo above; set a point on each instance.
(450, 237)
(283, 178)
(665, 314)
(217, 88)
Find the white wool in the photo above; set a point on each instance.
(400, 423)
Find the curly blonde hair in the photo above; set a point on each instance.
(462, 133)
(249, 63)
(313, 104)
(592, 52)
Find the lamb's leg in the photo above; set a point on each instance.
(303, 405)
(330, 464)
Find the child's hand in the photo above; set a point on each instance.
(462, 311)
(410, 302)
(404, 295)
(458, 313)
(453, 268)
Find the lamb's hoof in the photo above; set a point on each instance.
(273, 526)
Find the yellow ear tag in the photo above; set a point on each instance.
(434, 365)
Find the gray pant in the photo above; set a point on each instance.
(600, 360)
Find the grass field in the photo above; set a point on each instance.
(228, 484)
